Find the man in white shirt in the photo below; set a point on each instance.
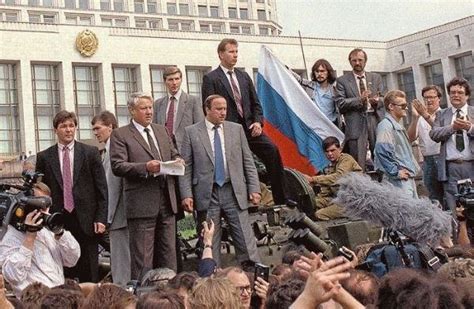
(422, 119)
(454, 128)
(37, 256)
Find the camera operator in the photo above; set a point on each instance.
(37, 255)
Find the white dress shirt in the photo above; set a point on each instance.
(428, 147)
(451, 151)
(210, 131)
(141, 129)
(234, 77)
(71, 156)
(22, 266)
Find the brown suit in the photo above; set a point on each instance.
(150, 200)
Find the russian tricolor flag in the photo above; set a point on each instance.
(292, 120)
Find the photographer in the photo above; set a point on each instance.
(37, 255)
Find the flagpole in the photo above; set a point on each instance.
(302, 52)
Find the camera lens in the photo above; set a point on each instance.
(54, 222)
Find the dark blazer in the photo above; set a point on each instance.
(216, 82)
(89, 183)
(189, 112)
(129, 153)
(442, 131)
(347, 98)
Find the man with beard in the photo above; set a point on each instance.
(359, 98)
(321, 89)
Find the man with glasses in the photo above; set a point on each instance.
(423, 115)
(453, 128)
(393, 153)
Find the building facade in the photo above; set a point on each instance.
(42, 71)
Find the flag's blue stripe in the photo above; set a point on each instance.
(277, 112)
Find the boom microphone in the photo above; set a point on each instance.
(390, 206)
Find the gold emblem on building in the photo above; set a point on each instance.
(87, 43)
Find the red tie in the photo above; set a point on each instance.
(237, 96)
(170, 117)
(67, 181)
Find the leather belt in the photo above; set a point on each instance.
(459, 161)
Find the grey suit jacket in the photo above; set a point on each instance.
(198, 179)
(347, 98)
(129, 153)
(116, 216)
(189, 112)
(442, 131)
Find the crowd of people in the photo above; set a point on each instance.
(134, 190)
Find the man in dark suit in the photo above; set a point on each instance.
(178, 109)
(74, 173)
(243, 107)
(102, 126)
(454, 129)
(360, 101)
(221, 178)
(136, 153)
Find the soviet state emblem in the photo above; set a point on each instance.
(87, 43)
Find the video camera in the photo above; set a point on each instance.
(15, 206)
(465, 197)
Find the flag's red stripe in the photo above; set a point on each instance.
(289, 151)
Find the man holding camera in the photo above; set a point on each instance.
(38, 254)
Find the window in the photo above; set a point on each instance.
(105, 5)
(406, 83)
(171, 8)
(139, 6)
(263, 31)
(214, 11)
(78, 20)
(9, 116)
(49, 19)
(35, 18)
(202, 10)
(260, 1)
(10, 2)
(261, 15)
(151, 5)
(116, 22)
(118, 5)
(465, 68)
(194, 77)
(234, 29)
(120, 22)
(125, 83)
(70, 4)
(205, 27)
(33, 2)
(107, 22)
(173, 25)
(187, 26)
(42, 18)
(428, 49)
(48, 3)
(86, 98)
(45, 83)
(246, 30)
(458, 40)
(158, 87)
(11, 17)
(84, 4)
(217, 27)
(154, 23)
(244, 14)
(232, 12)
(434, 76)
(184, 9)
(140, 23)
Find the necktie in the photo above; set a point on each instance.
(67, 181)
(459, 135)
(170, 117)
(219, 172)
(237, 96)
(152, 144)
(361, 84)
(103, 154)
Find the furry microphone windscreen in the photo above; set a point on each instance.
(385, 204)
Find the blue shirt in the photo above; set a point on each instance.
(393, 151)
(324, 100)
